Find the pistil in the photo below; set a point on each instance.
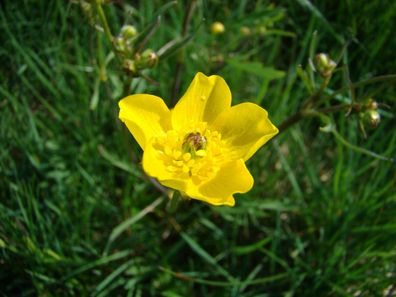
(194, 144)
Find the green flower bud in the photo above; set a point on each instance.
(86, 6)
(87, 10)
(324, 64)
(217, 59)
(119, 44)
(261, 30)
(371, 118)
(245, 31)
(371, 104)
(148, 59)
(130, 66)
(128, 31)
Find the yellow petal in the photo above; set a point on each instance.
(245, 128)
(154, 167)
(193, 192)
(145, 116)
(233, 177)
(204, 100)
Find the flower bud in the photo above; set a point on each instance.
(119, 44)
(217, 58)
(261, 30)
(371, 117)
(245, 31)
(129, 66)
(371, 104)
(217, 28)
(324, 64)
(128, 31)
(148, 59)
(86, 6)
(88, 11)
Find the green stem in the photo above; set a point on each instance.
(105, 25)
(321, 113)
(110, 38)
(359, 149)
(315, 96)
(127, 85)
(174, 202)
(339, 107)
(376, 79)
(180, 62)
(299, 115)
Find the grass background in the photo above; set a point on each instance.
(77, 216)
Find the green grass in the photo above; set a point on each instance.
(79, 218)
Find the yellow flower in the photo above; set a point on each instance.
(217, 28)
(200, 146)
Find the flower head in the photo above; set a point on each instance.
(217, 28)
(200, 146)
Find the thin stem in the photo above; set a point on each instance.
(290, 121)
(117, 231)
(180, 62)
(174, 202)
(339, 107)
(127, 86)
(358, 148)
(149, 35)
(299, 115)
(105, 25)
(165, 192)
(109, 36)
(320, 113)
(315, 96)
(359, 84)
(313, 112)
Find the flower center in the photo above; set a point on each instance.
(194, 143)
(195, 152)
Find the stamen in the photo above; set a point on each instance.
(185, 169)
(177, 154)
(201, 153)
(196, 152)
(186, 157)
(168, 150)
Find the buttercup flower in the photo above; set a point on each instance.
(217, 28)
(200, 146)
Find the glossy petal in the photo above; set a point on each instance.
(232, 178)
(204, 100)
(245, 128)
(145, 116)
(231, 136)
(193, 192)
(154, 167)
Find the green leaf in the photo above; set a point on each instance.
(256, 68)
(308, 5)
(205, 255)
